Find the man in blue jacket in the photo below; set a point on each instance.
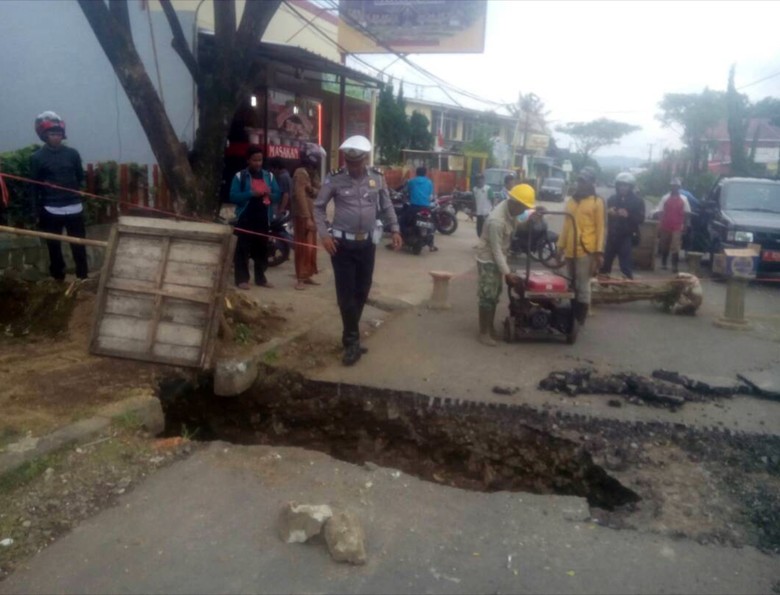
(253, 190)
(420, 190)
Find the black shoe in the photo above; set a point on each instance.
(352, 354)
(363, 350)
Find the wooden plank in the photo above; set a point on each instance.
(52, 236)
(179, 334)
(140, 246)
(108, 264)
(178, 352)
(191, 294)
(195, 253)
(191, 275)
(123, 304)
(166, 227)
(125, 327)
(217, 303)
(146, 357)
(179, 312)
(201, 236)
(158, 299)
(121, 345)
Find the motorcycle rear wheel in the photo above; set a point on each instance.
(278, 252)
(446, 222)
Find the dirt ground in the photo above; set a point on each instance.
(48, 382)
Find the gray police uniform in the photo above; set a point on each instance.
(358, 204)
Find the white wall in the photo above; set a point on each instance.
(51, 60)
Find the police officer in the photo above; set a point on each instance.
(359, 196)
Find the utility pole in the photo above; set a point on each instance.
(650, 156)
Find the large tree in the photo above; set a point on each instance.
(392, 125)
(696, 113)
(591, 136)
(420, 136)
(737, 124)
(193, 178)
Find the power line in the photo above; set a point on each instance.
(759, 81)
(442, 83)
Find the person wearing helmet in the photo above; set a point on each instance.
(585, 253)
(674, 212)
(59, 208)
(625, 213)
(359, 196)
(492, 266)
(284, 181)
(304, 191)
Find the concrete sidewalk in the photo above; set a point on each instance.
(207, 525)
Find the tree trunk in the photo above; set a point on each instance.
(130, 71)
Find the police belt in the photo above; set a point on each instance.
(355, 237)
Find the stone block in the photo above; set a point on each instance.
(345, 538)
(300, 522)
(234, 376)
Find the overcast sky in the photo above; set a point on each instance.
(588, 60)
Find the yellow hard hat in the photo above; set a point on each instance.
(525, 194)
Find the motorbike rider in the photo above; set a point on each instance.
(625, 213)
(420, 191)
(359, 195)
(492, 266)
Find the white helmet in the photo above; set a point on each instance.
(625, 178)
(355, 147)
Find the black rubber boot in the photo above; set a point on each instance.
(675, 263)
(352, 354)
(581, 312)
(486, 329)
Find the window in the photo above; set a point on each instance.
(450, 128)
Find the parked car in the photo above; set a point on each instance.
(742, 211)
(552, 189)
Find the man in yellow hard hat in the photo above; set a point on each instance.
(491, 255)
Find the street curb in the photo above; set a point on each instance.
(17, 454)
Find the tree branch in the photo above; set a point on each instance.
(120, 12)
(254, 22)
(121, 53)
(179, 42)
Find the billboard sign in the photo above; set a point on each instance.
(412, 26)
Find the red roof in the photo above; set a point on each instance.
(766, 131)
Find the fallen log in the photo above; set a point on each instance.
(680, 295)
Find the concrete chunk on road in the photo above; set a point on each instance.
(345, 538)
(300, 522)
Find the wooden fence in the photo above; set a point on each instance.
(130, 184)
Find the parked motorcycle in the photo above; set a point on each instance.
(280, 243)
(541, 246)
(417, 231)
(445, 217)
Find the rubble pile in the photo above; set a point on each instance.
(663, 389)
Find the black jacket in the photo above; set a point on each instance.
(60, 166)
(622, 226)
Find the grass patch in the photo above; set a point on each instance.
(27, 472)
(243, 334)
(129, 421)
(271, 356)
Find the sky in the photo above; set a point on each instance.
(588, 60)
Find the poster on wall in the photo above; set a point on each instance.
(412, 26)
(292, 123)
(358, 119)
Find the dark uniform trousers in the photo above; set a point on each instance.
(254, 247)
(353, 269)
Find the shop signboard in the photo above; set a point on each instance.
(292, 123)
(330, 84)
(412, 26)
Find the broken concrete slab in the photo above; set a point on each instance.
(300, 522)
(233, 376)
(765, 383)
(717, 386)
(505, 389)
(345, 538)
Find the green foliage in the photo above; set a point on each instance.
(768, 107)
(655, 181)
(591, 136)
(420, 137)
(696, 113)
(21, 208)
(737, 125)
(392, 126)
(481, 142)
(243, 334)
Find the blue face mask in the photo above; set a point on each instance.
(523, 217)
